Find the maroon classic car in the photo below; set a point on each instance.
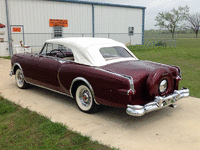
(99, 71)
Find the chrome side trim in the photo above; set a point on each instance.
(125, 76)
(11, 73)
(61, 61)
(111, 72)
(49, 89)
(85, 81)
(16, 64)
(178, 78)
(158, 103)
(179, 72)
(158, 63)
(13, 68)
(131, 82)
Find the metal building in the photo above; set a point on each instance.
(34, 21)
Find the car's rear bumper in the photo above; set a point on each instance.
(158, 103)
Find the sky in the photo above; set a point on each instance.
(153, 7)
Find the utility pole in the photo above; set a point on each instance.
(9, 30)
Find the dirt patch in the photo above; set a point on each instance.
(164, 129)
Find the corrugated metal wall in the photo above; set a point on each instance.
(109, 21)
(117, 20)
(35, 15)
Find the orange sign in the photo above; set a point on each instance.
(16, 29)
(58, 22)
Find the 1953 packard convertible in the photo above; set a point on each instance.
(99, 71)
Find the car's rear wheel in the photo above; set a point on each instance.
(19, 79)
(85, 100)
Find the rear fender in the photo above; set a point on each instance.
(104, 85)
(78, 80)
(154, 80)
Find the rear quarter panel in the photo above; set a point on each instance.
(106, 85)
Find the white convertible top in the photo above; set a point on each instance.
(86, 49)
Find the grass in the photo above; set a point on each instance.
(21, 128)
(6, 57)
(186, 55)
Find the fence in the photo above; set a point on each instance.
(159, 38)
(151, 38)
(36, 40)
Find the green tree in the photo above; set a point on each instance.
(172, 19)
(194, 22)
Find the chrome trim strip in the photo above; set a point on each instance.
(61, 61)
(158, 103)
(11, 73)
(131, 82)
(88, 84)
(130, 91)
(111, 72)
(178, 78)
(16, 64)
(13, 67)
(49, 89)
(125, 76)
(179, 72)
(159, 63)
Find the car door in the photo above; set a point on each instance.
(46, 69)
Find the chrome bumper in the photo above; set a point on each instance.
(158, 103)
(11, 73)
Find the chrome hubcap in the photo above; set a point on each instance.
(20, 78)
(85, 98)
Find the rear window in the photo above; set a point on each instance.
(110, 53)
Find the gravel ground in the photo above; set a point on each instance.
(166, 129)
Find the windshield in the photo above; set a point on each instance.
(110, 53)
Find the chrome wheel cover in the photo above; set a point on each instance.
(84, 98)
(19, 77)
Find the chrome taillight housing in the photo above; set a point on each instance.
(163, 86)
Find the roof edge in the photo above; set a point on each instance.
(98, 3)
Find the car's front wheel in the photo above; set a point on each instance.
(19, 79)
(85, 100)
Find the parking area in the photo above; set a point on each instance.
(165, 129)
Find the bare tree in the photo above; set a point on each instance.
(172, 19)
(194, 21)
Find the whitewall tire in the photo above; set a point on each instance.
(85, 100)
(19, 79)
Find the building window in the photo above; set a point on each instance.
(58, 31)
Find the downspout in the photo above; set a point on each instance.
(143, 19)
(9, 30)
(93, 20)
